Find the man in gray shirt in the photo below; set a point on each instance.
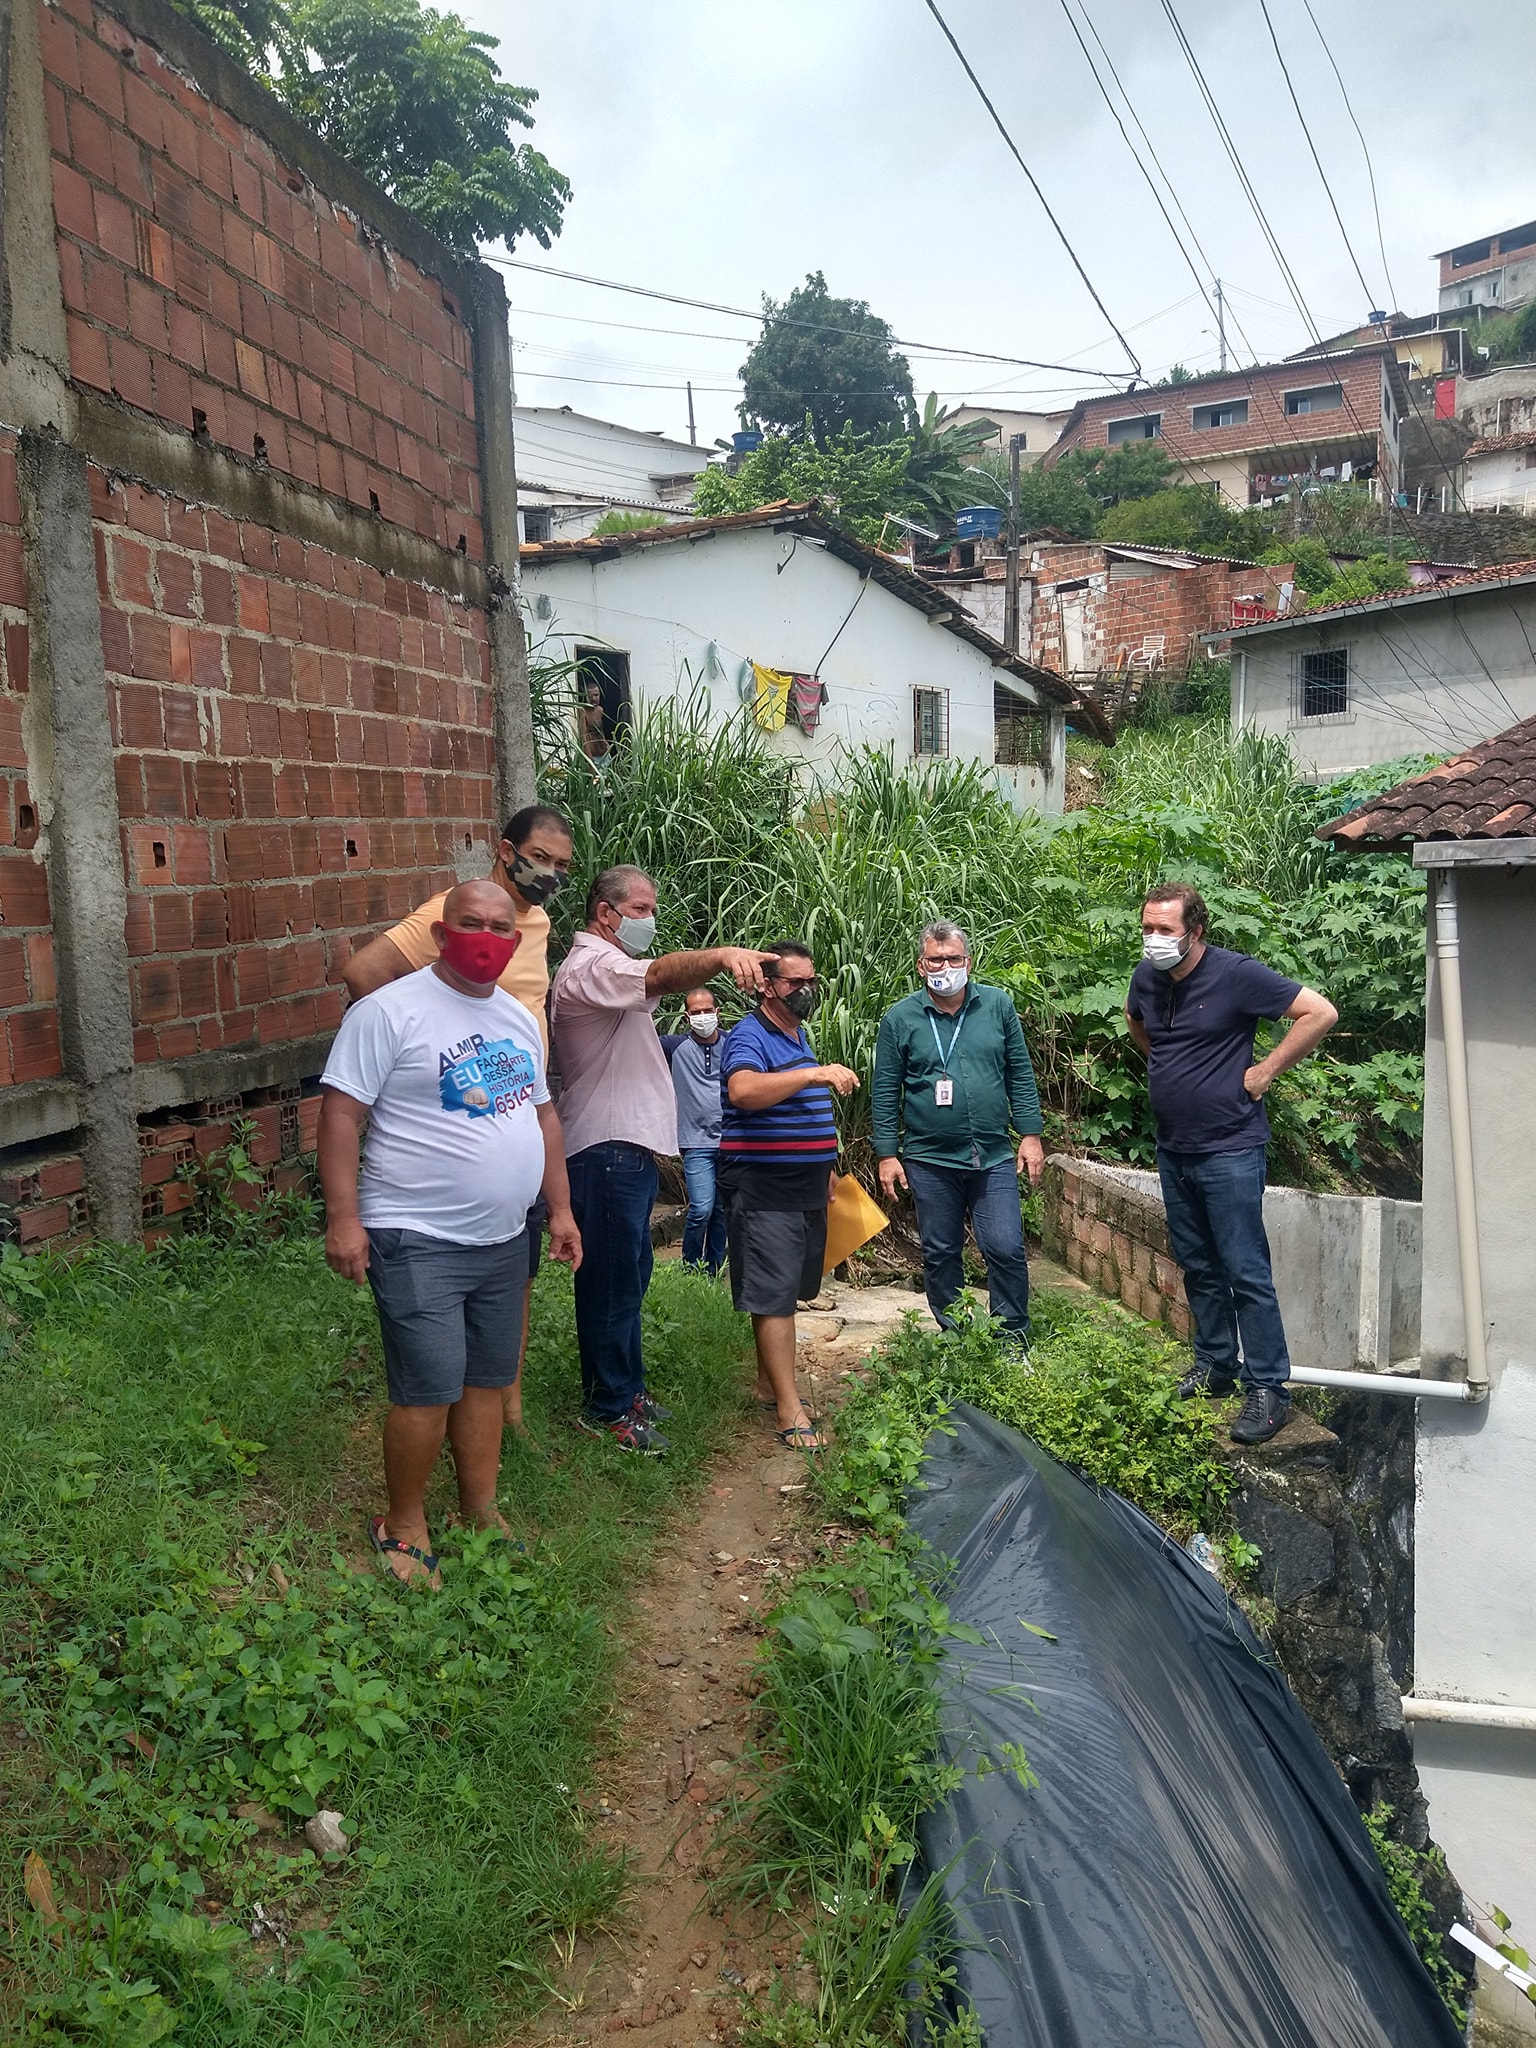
(695, 1058)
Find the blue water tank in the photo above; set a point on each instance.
(745, 443)
(978, 522)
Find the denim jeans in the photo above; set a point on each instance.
(704, 1230)
(989, 1195)
(613, 1189)
(1215, 1207)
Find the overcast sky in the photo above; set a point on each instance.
(721, 149)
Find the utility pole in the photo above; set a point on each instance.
(1011, 588)
(1221, 325)
(692, 432)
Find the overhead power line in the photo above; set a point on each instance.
(1365, 150)
(932, 348)
(1013, 149)
(1290, 86)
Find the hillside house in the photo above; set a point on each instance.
(1432, 669)
(1498, 273)
(865, 652)
(1258, 434)
(572, 468)
(1472, 1712)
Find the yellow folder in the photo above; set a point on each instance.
(852, 1220)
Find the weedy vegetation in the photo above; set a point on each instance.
(199, 1653)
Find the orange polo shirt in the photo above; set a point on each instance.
(527, 975)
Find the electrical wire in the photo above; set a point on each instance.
(1285, 73)
(1370, 169)
(642, 291)
(1013, 149)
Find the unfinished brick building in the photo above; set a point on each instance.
(263, 679)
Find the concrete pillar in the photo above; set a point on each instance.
(513, 712)
(71, 772)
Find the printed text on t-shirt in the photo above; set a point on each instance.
(485, 1079)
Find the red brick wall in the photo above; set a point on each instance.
(1268, 424)
(304, 745)
(29, 1029)
(211, 285)
(1138, 600)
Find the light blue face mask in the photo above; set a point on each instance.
(636, 935)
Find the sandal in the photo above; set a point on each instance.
(770, 1406)
(796, 1437)
(391, 1546)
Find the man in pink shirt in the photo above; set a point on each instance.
(618, 1111)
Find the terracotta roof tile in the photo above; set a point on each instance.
(1489, 792)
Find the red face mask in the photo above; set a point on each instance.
(477, 956)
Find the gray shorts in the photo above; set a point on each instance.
(775, 1257)
(450, 1315)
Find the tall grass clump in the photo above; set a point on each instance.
(858, 861)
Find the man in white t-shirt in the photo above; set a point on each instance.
(447, 1072)
(619, 1111)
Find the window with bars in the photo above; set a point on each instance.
(1322, 684)
(930, 721)
(1019, 730)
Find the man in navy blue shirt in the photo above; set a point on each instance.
(1193, 1009)
(778, 1154)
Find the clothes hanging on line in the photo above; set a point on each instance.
(770, 700)
(807, 694)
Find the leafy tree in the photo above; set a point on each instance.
(1184, 516)
(941, 473)
(412, 98)
(857, 478)
(1177, 375)
(627, 522)
(831, 360)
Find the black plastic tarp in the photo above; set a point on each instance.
(1189, 1871)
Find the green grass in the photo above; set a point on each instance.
(191, 1625)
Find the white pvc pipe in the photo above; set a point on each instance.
(1469, 1713)
(1383, 1383)
(1459, 1112)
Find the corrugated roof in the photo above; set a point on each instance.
(806, 518)
(1504, 575)
(1489, 792)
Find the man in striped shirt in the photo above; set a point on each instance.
(778, 1155)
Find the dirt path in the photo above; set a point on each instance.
(674, 1970)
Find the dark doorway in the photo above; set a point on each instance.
(603, 699)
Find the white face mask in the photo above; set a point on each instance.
(1163, 950)
(636, 935)
(704, 1023)
(948, 980)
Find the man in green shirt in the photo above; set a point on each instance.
(952, 1079)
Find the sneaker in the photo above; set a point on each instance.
(630, 1432)
(1266, 1411)
(648, 1409)
(1214, 1385)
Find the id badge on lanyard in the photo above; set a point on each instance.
(944, 1087)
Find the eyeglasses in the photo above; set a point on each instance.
(933, 961)
(794, 982)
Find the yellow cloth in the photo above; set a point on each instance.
(852, 1220)
(770, 699)
(527, 976)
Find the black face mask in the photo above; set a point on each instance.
(535, 884)
(801, 1002)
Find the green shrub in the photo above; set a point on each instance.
(1404, 1869)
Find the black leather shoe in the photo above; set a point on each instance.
(1265, 1412)
(1201, 1382)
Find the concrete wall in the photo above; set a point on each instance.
(1475, 1606)
(778, 599)
(1346, 1266)
(1432, 677)
(1502, 477)
(259, 689)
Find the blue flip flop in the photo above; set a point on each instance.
(391, 1546)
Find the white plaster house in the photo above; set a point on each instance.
(1428, 670)
(674, 609)
(1472, 1712)
(571, 469)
